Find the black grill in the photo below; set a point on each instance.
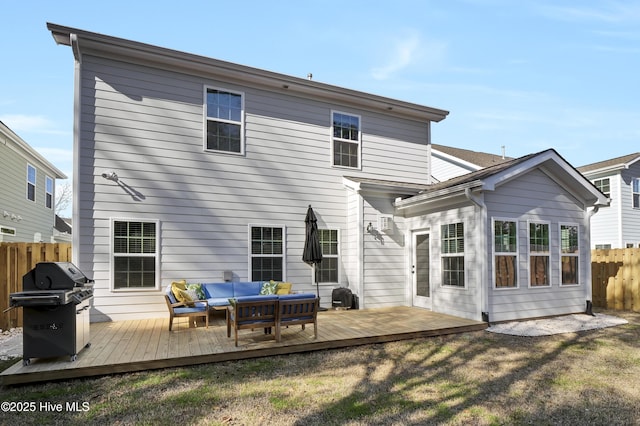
(342, 297)
(56, 300)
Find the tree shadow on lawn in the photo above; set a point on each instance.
(483, 378)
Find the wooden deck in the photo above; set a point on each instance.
(127, 346)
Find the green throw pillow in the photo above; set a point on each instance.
(268, 287)
(198, 289)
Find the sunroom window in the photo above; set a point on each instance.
(505, 243)
(570, 254)
(539, 254)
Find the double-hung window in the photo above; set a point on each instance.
(452, 243)
(505, 248)
(327, 270)
(539, 254)
(570, 254)
(346, 137)
(224, 112)
(48, 192)
(135, 254)
(31, 182)
(635, 188)
(604, 185)
(267, 253)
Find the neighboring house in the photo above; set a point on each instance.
(619, 179)
(27, 195)
(448, 162)
(62, 230)
(193, 168)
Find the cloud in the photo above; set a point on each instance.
(406, 52)
(609, 12)
(21, 123)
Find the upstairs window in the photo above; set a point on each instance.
(539, 254)
(603, 185)
(224, 121)
(570, 254)
(505, 248)
(345, 143)
(452, 246)
(48, 202)
(635, 188)
(31, 183)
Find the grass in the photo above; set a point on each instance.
(475, 378)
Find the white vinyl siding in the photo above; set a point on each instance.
(546, 202)
(146, 124)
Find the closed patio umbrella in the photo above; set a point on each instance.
(312, 253)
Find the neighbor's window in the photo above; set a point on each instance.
(452, 242)
(327, 270)
(603, 246)
(636, 193)
(570, 254)
(31, 182)
(5, 230)
(267, 253)
(539, 254)
(603, 185)
(48, 192)
(346, 140)
(505, 247)
(135, 254)
(224, 112)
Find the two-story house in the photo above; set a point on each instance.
(27, 193)
(617, 226)
(189, 167)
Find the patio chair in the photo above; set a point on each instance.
(297, 311)
(251, 313)
(191, 310)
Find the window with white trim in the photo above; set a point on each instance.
(604, 185)
(635, 188)
(452, 253)
(267, 253)
(31, 182)
(224, 111)
(327, 270)
(505, 249)
(48, 201)
(345, 140)
(569, 254)
(135, 254)
(539, 255)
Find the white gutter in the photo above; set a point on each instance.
(481, 247)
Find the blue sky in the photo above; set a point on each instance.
(527, 75)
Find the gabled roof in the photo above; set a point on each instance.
(85, 42)
(489, 178)
(618, 163)
(25, 150)
(479, 159)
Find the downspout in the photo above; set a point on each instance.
(589, 278)
(480, 248)
(75, 210)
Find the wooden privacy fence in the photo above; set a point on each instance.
(615, 278)
(16, 259)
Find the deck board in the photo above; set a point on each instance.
(127, 346)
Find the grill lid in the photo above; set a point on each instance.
(54, 276)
